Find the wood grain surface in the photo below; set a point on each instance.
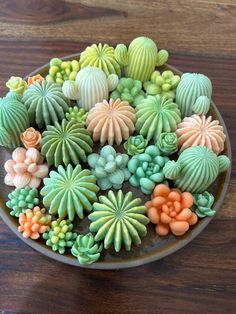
(200, 35)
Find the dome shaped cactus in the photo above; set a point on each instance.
(109, 168)
(147, 169)
(196, 169)
(141, 58)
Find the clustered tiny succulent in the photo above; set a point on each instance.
(22, 199)
(129, 90)
(109, 167)
(135, 145)
(77, 115)
(164, 84)
(60, 236)
(146, 169)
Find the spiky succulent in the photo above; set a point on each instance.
(109, 167)
(100, 56)
(45, 103)
(60, 236)
(68, 142)
(69, 191)
(86, 249)
(118, 220)
(22, 199)
(155, 115)
(129, 90)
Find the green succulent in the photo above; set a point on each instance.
(147, 169)
(61, 71)
(77, 115)
(22, 199)
(163, 84)
(86, 249)
(118, 220)
(135, 145)
(109, 168)
(167, 143)
(203, 203)
(60, 235)
(16, 84)
(129, 90)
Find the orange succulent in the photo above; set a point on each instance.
(170, 210)
(31, 138)
(33, 79)
(33, 222)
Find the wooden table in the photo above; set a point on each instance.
(200, 35)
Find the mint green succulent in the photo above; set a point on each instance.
(22, 199)
(203, 203)
(147, 169)
(129, 90)
(77, 114)
(118, 220)
(69, 191)
(86, 249)
(109, 167)
(135, 145)
(163, 84)
(16, 84)
(60, 236)
(167, 143)
(61, 71)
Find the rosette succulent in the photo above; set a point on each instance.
(16, 84)
(167, 143)
(135, 145)
(60, 236)
(45, 103)
(22, 199)
(118, 220)
(147, 169)
(66, 143)
(101, 56)
(77, 115)
(129, 90)
(61, 71)
(86, 249)
(155, 115)
(69, 191)
(163, 84)
(203, 204)
(109, 168)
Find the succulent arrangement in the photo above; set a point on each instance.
(160, 144)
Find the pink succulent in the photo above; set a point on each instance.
(26, 168)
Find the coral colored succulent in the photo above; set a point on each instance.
(34, 222)
(26, 168)
(60, 235)
(31, 138)
(111, 121)
(170, 210)
(33, 79)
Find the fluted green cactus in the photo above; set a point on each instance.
(129, 90)
(163, 84)
(86, 250)
(60, 236)
(147, 169)
(22, 199)
(109, 168)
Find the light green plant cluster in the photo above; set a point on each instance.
(61, 71)
(163, 84)
(60, 236)
(129, 90)
(77, 115)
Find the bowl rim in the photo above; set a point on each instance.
(135, 261)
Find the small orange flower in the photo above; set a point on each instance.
(170, 210)
(33, 222)
(31, 138)
(33, 79)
